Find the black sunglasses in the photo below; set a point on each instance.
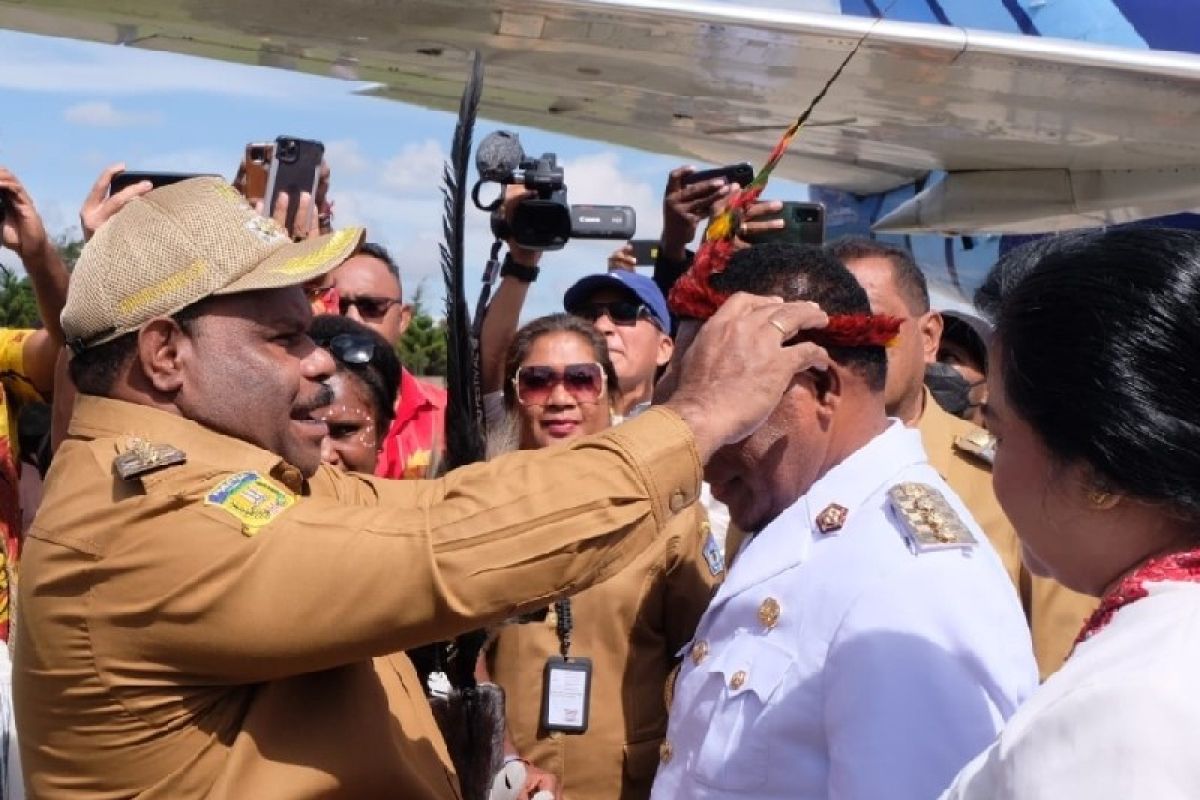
(352, 349)
(372, 308)
(621, 312)
(369, 307)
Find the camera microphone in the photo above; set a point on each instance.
(498, 157)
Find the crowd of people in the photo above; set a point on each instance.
(826, 541)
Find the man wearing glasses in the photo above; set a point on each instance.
(200, 595)
(629, 310)
(367, 289)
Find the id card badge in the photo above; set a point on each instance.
(566, 694)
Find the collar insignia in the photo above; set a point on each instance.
(832, 518)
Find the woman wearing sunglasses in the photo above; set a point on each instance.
(1094, 398)
(364, 392)
(560, 385)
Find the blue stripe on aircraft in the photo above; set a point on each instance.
(1163, 24)
(938, 12)
(1024, 23)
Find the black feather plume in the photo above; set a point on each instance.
(465, 434)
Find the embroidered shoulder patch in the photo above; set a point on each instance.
(713, 555)
(251, 499)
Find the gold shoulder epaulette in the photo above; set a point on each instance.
(927, 520)
(141, 457)
(978, 443)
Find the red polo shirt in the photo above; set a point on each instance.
(416, 433)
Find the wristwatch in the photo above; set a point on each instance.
(522, 272)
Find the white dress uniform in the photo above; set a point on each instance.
(1119, 721)
(845, 657)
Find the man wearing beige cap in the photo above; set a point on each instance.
(206, 612)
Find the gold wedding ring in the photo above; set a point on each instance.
(779, 327)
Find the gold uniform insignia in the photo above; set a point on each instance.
(928, 520)
(832, 518)
(251, 499)
(978, 443)
(768, 613)
(141, 457)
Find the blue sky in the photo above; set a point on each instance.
(70, 108)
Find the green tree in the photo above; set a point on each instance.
(18, 308)
(69, 246)
(422, 348)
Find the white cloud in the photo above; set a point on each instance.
(417, 168)
(103, 114)
(205, 161)
(346, 156)
(599, 180)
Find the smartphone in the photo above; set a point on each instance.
(645, 251)
(803, 223)
(256, 167)
(741, 174)
(123, 180)
(295, 168)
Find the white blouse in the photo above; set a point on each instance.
(1119, 721)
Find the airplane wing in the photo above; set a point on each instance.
(1034, 133)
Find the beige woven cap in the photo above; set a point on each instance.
(177, 245)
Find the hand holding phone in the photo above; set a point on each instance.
(295, 170)
(102, 202)
(803, 223)
(645, 251)
(741, 174)
(124, 179)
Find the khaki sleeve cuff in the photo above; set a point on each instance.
(661, 448)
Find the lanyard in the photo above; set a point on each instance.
(563, 625)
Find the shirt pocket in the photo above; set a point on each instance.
(734, 752)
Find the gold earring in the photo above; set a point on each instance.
(1103, 501)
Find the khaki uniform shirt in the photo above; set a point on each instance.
(226, 629)
(1056, 614)
(631, 627)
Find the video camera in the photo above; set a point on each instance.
(547, 221)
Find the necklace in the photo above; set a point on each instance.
(1183, 567)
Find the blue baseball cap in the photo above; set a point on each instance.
(640, 286)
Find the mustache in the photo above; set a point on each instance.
(322, 398)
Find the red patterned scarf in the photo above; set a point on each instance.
(1180, 567)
